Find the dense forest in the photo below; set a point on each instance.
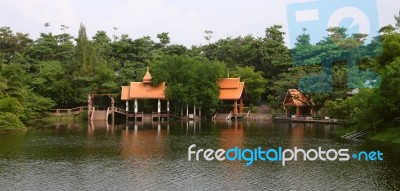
(59, 71)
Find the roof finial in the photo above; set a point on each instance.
(147, 76)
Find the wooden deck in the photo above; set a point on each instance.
(298, 119)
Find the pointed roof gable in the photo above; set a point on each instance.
(295, 98)
(143, 90)
(230, 88)
(147, 77)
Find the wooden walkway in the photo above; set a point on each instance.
(244, 116)
(356, 134)
(67, 112)
(298, 119)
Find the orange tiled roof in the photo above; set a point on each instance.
(230, 88)
(296, 98)
(143, 90)
(140, 90)
(125, 93)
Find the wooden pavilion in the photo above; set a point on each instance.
(294, 98)
(232, 90)
(142, 91)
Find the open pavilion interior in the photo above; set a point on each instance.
(295, 99)
(231, 92)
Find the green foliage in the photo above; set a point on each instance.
(11, 43)
(11, 80)
(339, 108)
(36, 107)
(189, 81)
(387, 135)
(52, 70)
(10, 122)
(255, 83)
(11, 105)
(85, 57)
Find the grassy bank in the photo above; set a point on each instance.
(65, 118)
(391, 135)
(344, 130)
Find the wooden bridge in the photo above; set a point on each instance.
(101, 114)
(306, 119)
(67, 112)
(230, 116)
(356, 134)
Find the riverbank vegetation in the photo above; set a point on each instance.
(59, 70)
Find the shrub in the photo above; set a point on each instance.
(9, 121)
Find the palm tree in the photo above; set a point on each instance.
(3, 87)
(10, 83)
(46, 24)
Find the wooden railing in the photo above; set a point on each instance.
(73, 111)
(247, 115)
(215, 116)
(116, 110)
(229, 116)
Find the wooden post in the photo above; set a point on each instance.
(187, 110)
(235, 110)
(167, 110)
(298, 113)
(89, 106)
(126, 109)
(112, 109)
(159, 109)
(135, 109)
(286, 112)
(241, 106)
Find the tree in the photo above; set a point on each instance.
(46, 24)
(277, 58)
(45, 48)
(397, 19)
(189, 81)
(255, 83)
(85, 57)
(164, 39)
(102, 44)
(208, 35)
(11, 43)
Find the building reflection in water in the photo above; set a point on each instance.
(232, 135)
(144, 140)
(297, 137)
(100, 127)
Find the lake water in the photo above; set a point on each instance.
(154, 156)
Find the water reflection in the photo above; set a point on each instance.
(144, 140)
(153, 156)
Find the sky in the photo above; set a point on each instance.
(185, 20)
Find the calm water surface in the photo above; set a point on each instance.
(154, 157)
